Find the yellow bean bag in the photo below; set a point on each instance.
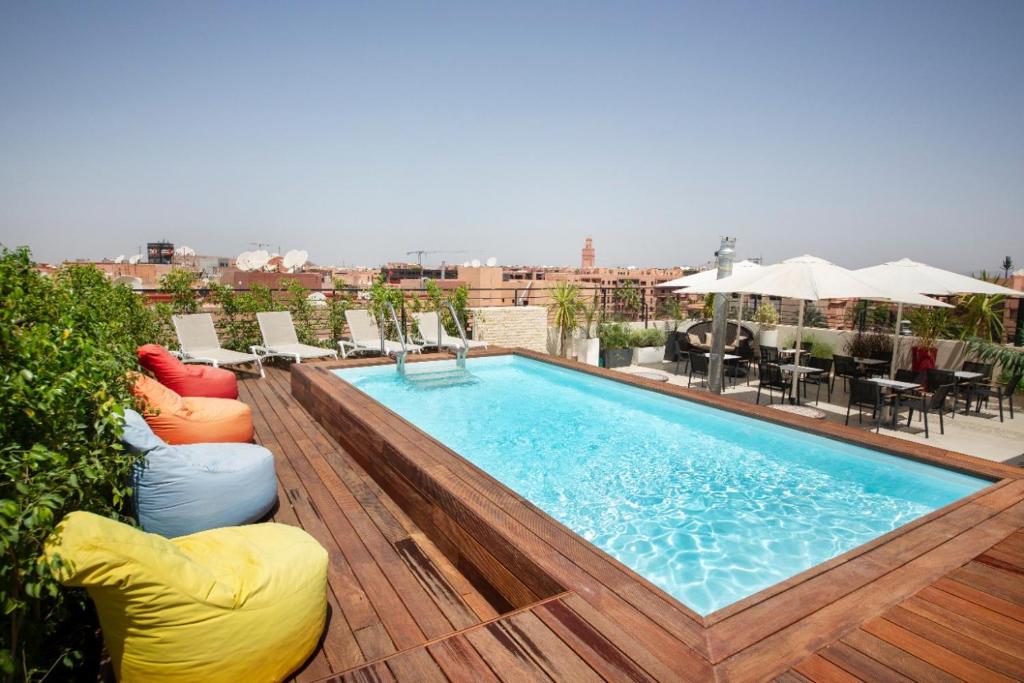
(234, 604)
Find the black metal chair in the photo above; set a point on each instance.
(881, 369)
(845, 367)
(938, 377)
(769, 355)
(865, 394)
(818, 378)
(677, 350)
(983, 392)
(770, 377)
(968, 386)
(904, 375)
(935, 401)
(700, 365)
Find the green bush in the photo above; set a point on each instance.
(869, 345)
(649, 337)
(66, 344)
(613, 335)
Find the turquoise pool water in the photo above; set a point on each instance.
(708, 505)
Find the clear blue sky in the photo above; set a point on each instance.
(857, 131)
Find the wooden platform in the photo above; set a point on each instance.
(410, 603)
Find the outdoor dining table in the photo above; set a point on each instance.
(963, 376)
(797, 371)
(866, 363)
(897, 387)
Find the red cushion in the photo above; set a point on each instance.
(187, 380)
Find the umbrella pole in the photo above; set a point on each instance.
(799, 334)
(896, 339)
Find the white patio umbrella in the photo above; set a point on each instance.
(705, 276)
(911, 276)
(807, 278)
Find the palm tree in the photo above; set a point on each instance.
(1007, 266)
(981, 316)
(566, 306)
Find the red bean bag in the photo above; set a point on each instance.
(186, 379)
(196, 419)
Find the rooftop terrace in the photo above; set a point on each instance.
(440, 573)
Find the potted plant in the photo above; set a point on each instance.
(675, 313)
(566, 306)
(615, 350)
(767, 318)
(588, 347)
(927, 325)
(648, 345)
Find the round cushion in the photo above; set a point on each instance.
(235, 604)
(187, 379)
(179, 420)
(179, 490)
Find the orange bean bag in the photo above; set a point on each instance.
(179, 420)
(187, 379)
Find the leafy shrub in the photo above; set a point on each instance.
(766, 315)
(648, 337)
(613, 335)
(869, 345)
(66, 344)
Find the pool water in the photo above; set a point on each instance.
(708, 505)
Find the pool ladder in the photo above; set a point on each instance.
(460, 354)
(399, 356)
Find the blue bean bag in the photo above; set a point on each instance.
(181, 490)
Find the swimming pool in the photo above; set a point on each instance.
(710, 506)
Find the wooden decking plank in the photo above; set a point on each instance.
(602, 656)
(377, 672)
(416, 665)
(549, 651)
(818, 669)
(749, 626)
(505, 656)
(792, 644)
(895, 658)
(1007, 641)
(460, 662)
(861, 665)
(980, 597)
(790, 677)
(931, 652)
(971, 610)
(959, 642)
(991, 580)
(340, 649)
(428, 616)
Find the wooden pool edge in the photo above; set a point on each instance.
(489, 530)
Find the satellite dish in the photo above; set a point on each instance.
(491, 262)
(132, 282)
(244, 261)
(303, 258)
(295, 258)
(465, 264)
(134, 258)
(119, 259)
(318, 299)
(184, 251)
(259, 258)
(475, 263)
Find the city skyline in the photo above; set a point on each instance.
(860, 134)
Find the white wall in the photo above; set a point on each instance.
(523, 327)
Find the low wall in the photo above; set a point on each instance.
(951, 352)
(524, 327)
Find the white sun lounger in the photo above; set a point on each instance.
(199, 343)
(427, 323)
(280, 339)
(364, 335)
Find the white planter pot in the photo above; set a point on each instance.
(588, 350)
(769, 337)
(648, 354)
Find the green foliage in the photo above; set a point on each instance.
(651, 336)
(674, 310)
(178, 283)
(1009, 359)
(435, 301)
(813, 317)
(929, 325)
(590, 312)
(869, 345)
(237, 326)
(382, 293)
(819, 348)
(336, 307)
(627, 297)
(565, 306)
(66, 344)
(613, 335)
(708, 312)
(981, 315)
(296, 302)
(766, 315)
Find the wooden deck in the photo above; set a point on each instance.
(484, 586)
